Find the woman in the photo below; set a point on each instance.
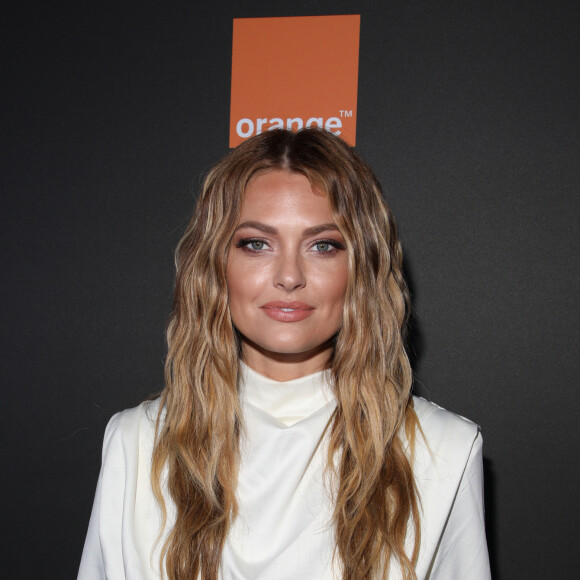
(286, 443)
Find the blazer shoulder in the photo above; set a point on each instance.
(439, 424)
(448, 473)
(445, 441)
(130, 426)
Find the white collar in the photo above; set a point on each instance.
(287, 401)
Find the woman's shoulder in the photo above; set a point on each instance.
(444, 438)
(440, 423)
(132, 426)
(124, 522)
(448, 470)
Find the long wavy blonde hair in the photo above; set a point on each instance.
(196, 456)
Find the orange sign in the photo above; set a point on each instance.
(294, 72)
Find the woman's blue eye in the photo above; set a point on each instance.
(323, 246)
(251, 245)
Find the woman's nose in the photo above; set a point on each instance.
(289, 274)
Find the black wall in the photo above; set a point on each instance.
(112, 113)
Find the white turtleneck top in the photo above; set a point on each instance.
(283, 530)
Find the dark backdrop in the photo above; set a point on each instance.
(113, 111)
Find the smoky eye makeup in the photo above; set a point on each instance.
(251, 244)
(327, 246)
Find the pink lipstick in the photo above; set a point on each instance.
(283, 311)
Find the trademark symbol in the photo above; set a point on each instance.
(345, 113)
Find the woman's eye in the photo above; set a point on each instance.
(327, 248)
(252, 245)
(256, 245)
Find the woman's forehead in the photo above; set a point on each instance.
(284, 196)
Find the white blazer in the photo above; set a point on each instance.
(125, 521)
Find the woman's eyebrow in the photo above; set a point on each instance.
(258, 226)
(271, 230)
(321, 228)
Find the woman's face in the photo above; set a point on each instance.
(287, 275)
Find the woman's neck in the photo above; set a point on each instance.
(284, 366)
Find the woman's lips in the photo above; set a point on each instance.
(287, 311)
